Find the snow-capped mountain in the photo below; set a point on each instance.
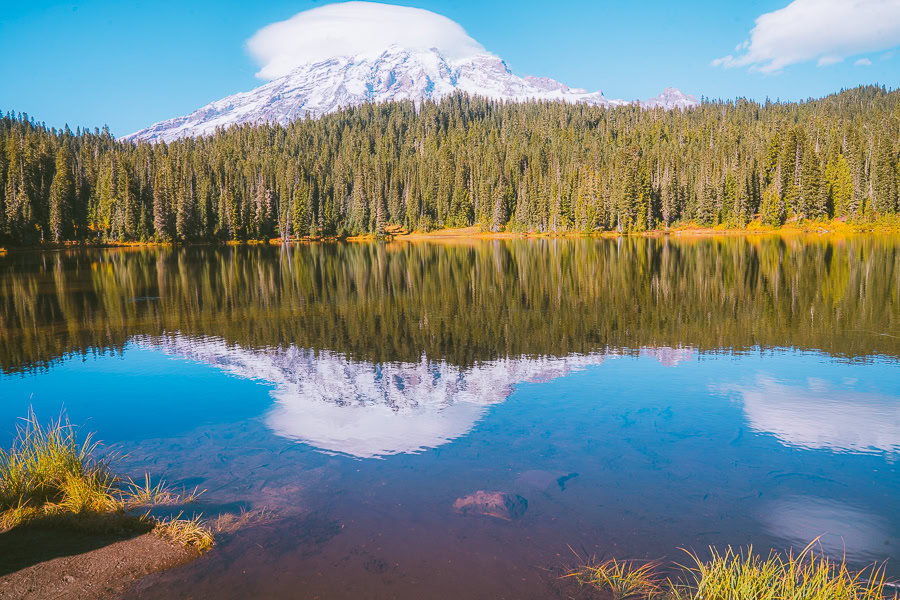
(671, 98)
(318, 88)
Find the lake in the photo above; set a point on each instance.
(642, 395)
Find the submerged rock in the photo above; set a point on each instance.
(500, 505)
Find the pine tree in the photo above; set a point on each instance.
(161, 203)
(359, 212)
(839, 186)
(707, 210)
(62, 196)
(106, 204)
(812, 197)
(380, 216)
(884, 177)
(129, 202)
(301, 219)
(185, 207)
(729, 208)
(498, 218)
(772, 209)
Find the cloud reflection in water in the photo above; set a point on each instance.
(821, 416)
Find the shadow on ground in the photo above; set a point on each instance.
(31, 544)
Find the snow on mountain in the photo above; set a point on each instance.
(671, 98)
(318, 88)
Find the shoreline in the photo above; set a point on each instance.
(53, 563)
(70, 526)
(473, 233)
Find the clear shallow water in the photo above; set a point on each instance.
(737, 392)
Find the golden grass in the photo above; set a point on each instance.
(741, 575)
(47, 469)
(187, 532)
(230, 522)
(52, 479)
(146, 493)
(624, 580)
(16, 515)
(738, 575)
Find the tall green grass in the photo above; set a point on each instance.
(740, 575)
(51, 478)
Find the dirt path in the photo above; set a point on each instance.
(43, 564)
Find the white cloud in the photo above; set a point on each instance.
(827, 31)
(829, 60)
(352, 28)
(863, 62)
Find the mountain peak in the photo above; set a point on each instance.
(671, 98)
(394, 73)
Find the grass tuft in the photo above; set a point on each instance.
(16, 515)
(741, 575)
(187, 532)
(230, 522)
(48, 470)
(148, 494)
(804, 576)
(50, 478)
(623, 580)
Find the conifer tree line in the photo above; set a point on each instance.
(536, 166)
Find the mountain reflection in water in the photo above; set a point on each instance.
(369, 410)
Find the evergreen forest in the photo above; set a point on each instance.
(520, 167)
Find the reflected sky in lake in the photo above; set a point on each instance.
(841, 528)
(356, 395)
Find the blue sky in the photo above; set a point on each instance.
(130, 63)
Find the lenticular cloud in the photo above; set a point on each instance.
(352, 28)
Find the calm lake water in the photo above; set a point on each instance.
(643, 395)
